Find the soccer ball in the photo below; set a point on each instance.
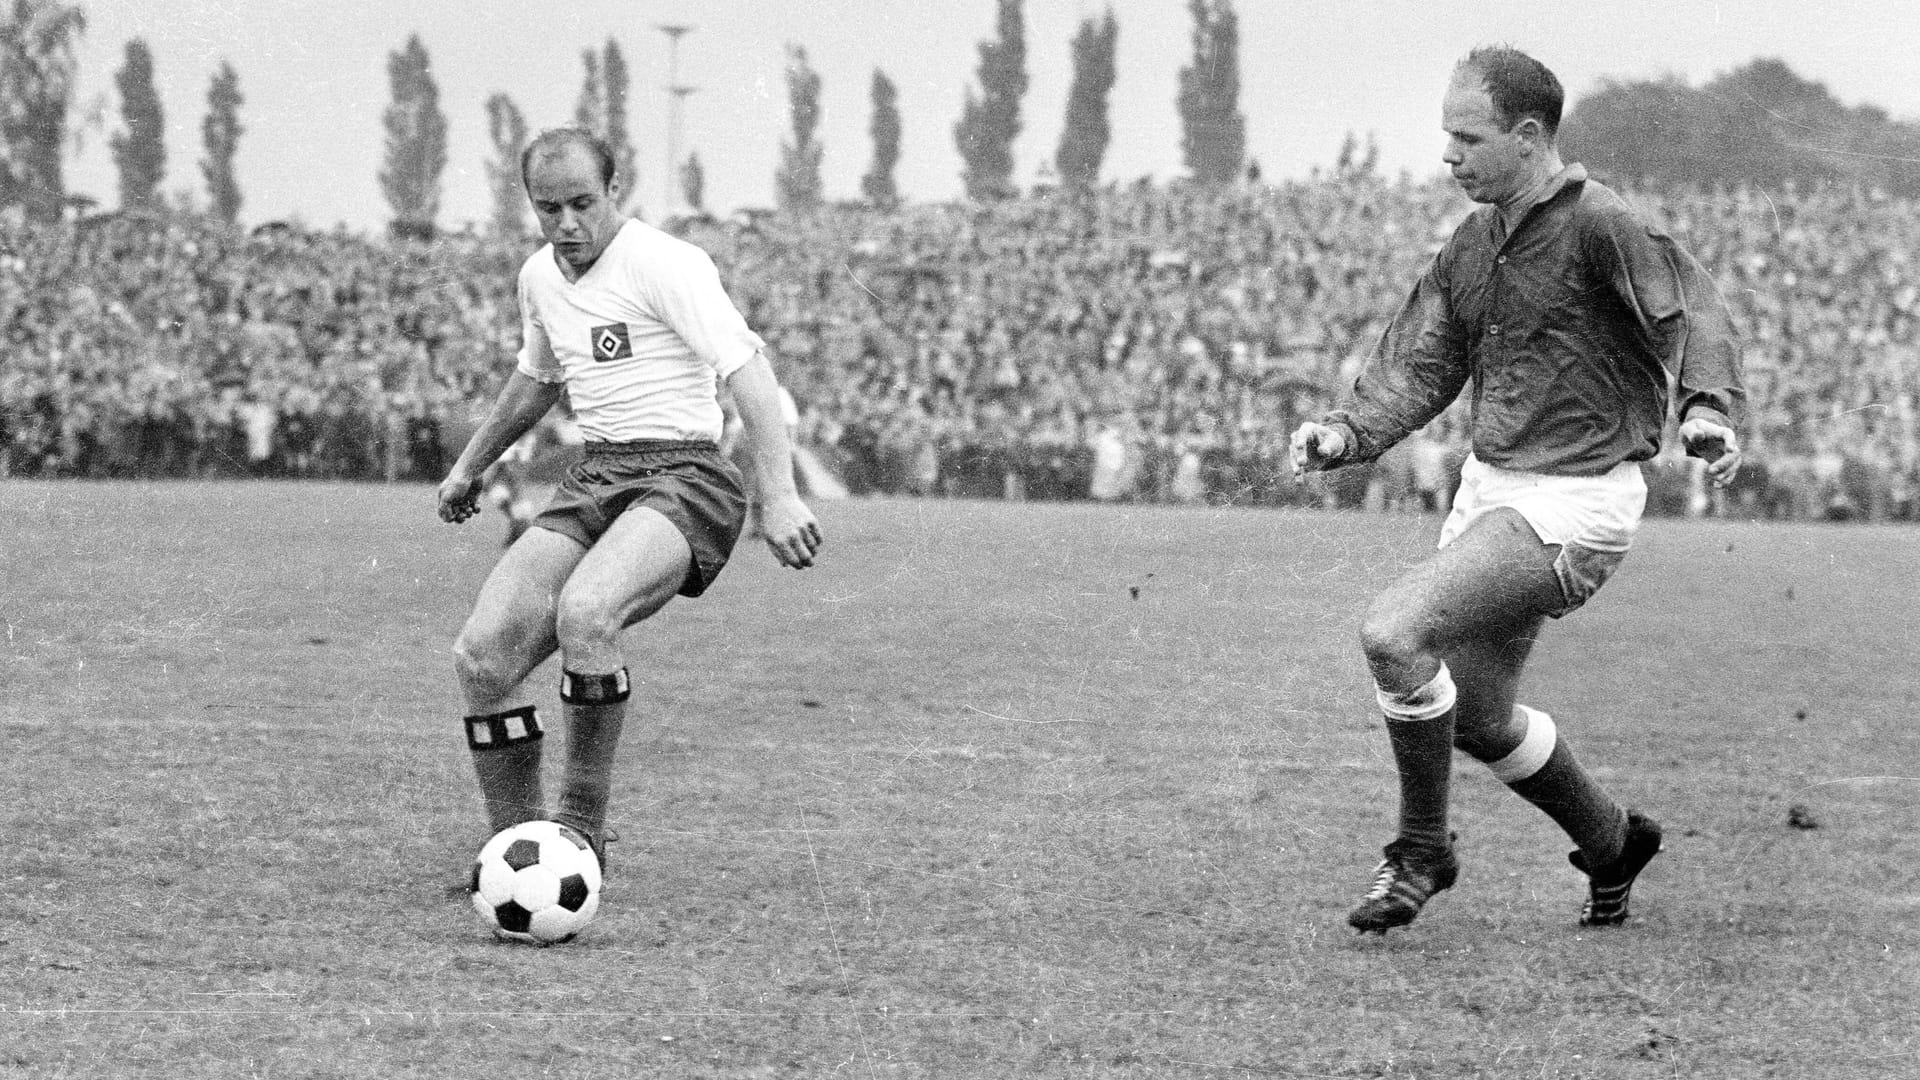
(537, 882)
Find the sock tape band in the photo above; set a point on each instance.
(1532, 753)
(501, 730)
(578, 689)
(1429, 702)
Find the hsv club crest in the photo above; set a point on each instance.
(610, 342)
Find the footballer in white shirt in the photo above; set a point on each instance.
(635, 327)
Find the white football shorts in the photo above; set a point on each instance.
(1592, 519)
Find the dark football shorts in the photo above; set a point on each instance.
(689, 483)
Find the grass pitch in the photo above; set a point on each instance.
(997, 790)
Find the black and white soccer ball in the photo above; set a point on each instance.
(537, 882)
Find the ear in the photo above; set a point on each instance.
(1530, 131)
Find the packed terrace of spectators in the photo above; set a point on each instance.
(1147, 342)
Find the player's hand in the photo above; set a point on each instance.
(1716, 445)
(459, 497)
(791, 531)
(1316, 447)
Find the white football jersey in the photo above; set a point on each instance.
(640, 340)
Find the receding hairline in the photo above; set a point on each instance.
(554, 144)
(1505, 71)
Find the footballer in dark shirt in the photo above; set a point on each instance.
(1563, 315)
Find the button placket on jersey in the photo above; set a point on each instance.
(1496, 375)
(1497, 287)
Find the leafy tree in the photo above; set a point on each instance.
(1779, 126)
(1214, 133)
(990, 121)
(139, 152)
(1642, 130)
(878, 184)
(507, 130)
(38, 68)
(416, 142)
(1759, 124)
(693, 183)
(1084, 137)
(798, 181)
(220, 136)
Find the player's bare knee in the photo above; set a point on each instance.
(1391, 639)
(482, 666)
(585, 625)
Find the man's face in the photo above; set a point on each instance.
(1488, 161)
(578, 214)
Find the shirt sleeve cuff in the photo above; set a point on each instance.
(1709, 414)
(549, 377)
(1338, 421)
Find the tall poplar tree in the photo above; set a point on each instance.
(38, 69)
(603, 107)
(139, 150)
(878, 184)
(1214, 134)
(693, 183)
(798, 181)
(618, 87)
(990, 121)
(590, 108)
(220, 139)
(416, 142)
(1086, 132)
(507, 131)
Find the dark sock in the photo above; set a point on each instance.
(1565, 791)
(506, 758)
(596, 709)
(1423, 754)
(1420, 730)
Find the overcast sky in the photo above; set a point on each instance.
(314, 78)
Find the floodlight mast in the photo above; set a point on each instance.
(676, 105)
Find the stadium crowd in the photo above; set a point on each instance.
(1153, 342)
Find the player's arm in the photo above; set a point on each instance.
(1708, 384)
(521, 404)
(790, 528)
(1415, 371)
(1682, 311)
(693, 302)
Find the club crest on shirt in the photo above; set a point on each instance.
(610, 342)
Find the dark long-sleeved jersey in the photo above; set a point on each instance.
(1568, 330)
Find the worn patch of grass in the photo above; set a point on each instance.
(997, 790)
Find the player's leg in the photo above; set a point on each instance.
(1523, 748)
(509, 633)
(1493, 576)
(639, 564)
(1489, 582)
